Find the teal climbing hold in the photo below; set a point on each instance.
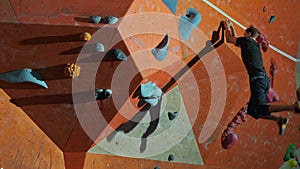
(99, 47)
(23, 75)
(272, 19)
(151, 93)
(171, 4)
(110, 20)
(161, 50)
(95, 19)
(189, 22)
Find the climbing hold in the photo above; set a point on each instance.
(99, 47)
(85, 36)
(147, 89)
(101, 94)
(23, 75)
(117, 54)
(265, 8)
(290, 149)
(229, 141)
(272, 19)
(292, 163)
(161, 50)
(95, 19)
(188, 22)
(272, 96)
(110, 20)
(156, 167)
(171, 157)
(72, 70)
(172, 116)
(151, 93)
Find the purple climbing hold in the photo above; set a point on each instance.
(229, 141)
(272, 19)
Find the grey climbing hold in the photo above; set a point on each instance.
(151, 93)
(117, 54)
(172, 116)
(272, 19)
(189, 22)
(23, 75)
(99, 47)
(156, 167)
(110, 20)
(95, 19)
(161, 50)
(102, 94)
(171, 157)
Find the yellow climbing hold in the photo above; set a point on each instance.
(85, 36)
(72, 70)
(292, 163)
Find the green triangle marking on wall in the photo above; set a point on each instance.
(174, 137)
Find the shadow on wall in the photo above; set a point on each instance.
(82, 97)
(51, 39)
(214, 43)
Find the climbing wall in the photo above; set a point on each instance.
(205, 82)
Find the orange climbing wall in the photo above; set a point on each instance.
(45, 132)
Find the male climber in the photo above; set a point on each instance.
(259, 81)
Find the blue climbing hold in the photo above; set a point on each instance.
(272, 19)
(99, 47)
(161, 50)
(189, 22)
(151, 93)
(171, 4)
(110, 20)
(95, 19)
(23, 75)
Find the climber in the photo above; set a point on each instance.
(259, 81)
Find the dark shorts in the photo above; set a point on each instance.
(257, 104)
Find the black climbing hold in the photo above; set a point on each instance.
(172, 116)
(117, 54)
(101, 94)
(171, 157)
(156, 167)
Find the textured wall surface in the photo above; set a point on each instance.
(59, 127)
